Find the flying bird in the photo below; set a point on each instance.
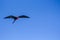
(16, 18)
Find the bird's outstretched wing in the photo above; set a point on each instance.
(13, 17)
(23, 16)
(10, 17)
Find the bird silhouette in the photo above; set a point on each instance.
(16, 18)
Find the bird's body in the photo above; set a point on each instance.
(16, 18)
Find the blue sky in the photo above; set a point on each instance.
(44, 22)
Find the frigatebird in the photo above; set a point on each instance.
(16, 18)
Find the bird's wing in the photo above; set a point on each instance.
(9, 17)
(23, 16)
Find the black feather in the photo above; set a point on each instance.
(10, 17)
(23, 16)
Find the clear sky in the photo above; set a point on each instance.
(43, 24)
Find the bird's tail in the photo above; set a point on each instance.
(13, 21)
